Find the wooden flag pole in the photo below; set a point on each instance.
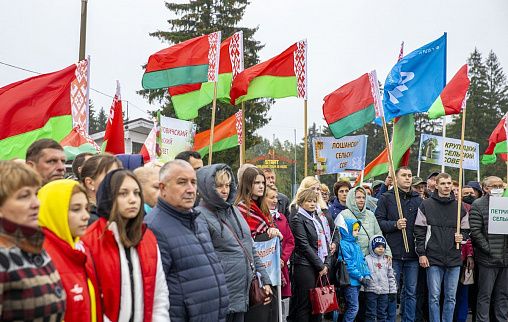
(212, 123)
(305, 143)
(242, 146)
(394, 180)
(459, 197)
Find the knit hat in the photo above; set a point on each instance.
(378, 241)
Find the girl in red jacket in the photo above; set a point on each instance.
(63, 217)
(127, 259)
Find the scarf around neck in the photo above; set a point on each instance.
(322, 247)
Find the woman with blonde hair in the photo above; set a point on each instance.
(40, 297)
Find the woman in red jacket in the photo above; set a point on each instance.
(127, 259)
(63, 216)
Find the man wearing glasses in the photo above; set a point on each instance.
(491, 253)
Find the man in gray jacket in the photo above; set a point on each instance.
(491, 252)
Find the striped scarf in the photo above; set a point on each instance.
(257, 220)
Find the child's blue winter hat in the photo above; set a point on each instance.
(378, 241)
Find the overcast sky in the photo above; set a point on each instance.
(345, 39)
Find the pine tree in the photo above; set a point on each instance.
(203, 17)
(487, 102)
(102, 119)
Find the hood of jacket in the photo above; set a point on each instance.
(371, 250)
(351, 202)
(206, 186)
(55, 199)
(347, 235)
(130, 161)
(105, 196)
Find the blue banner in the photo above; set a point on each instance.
(416, 80)
(337, 155)
(269, 253)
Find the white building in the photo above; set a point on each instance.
(136, 132)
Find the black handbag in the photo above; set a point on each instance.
(342, 273)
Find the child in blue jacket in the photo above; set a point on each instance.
(356, 267)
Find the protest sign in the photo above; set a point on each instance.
(438, 150)
(176, 136)
(269, 253)
(498, 215)
(337, 155)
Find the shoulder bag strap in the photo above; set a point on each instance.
(251, 260)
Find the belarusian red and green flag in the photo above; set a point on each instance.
(497, 142)
(351, 106)
(284, 75)
(114, 142)
(403, 138)
(190, 62)
(44, 106)
(189, 98)
(77, 142)
(226, 135)
(453, 96)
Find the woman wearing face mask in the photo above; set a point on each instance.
(127, 259)
(230, 237)
(64, 218)
(40, 297)
(93, 172)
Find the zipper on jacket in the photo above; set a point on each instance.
(131, 276)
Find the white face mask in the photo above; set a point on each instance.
(497, 192)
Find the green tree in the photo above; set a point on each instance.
(487, 102)
(200, 17)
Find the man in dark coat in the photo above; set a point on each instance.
(436, 238)
(391, 225)
(194, 274)
(491, 251)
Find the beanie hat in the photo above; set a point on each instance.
(378, 241)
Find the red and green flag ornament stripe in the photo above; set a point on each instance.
(497, 142)
(189, 98)
(54, 104)
(190, 62)
(352, 105)
(453, 96)
(226, 135)
(284, 75)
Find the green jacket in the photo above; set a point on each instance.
(370, 226)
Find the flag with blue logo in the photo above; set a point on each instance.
(416, 80)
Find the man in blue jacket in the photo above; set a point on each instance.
(196, 282)
(391, 225)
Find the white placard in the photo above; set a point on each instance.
(498, 215)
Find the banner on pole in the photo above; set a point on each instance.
(337, 155)
(446, 151)
(269, 253)
(176, 136)
(498, 215)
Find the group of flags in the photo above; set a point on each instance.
(198, 70)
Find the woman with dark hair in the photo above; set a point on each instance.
(127, 259)
(340, 191)
(93, 172)
(230, 237)
(250, 202)
(63, 217)
(40, 297)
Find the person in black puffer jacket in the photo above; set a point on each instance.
(194, 274)
(436, 238)
(403, 262)
(491, 251)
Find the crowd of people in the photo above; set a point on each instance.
(119, 240)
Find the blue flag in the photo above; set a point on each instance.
(416, 80)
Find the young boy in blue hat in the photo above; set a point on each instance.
(382, 284)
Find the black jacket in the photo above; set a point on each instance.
(283, 204)
(387, 216)
(306, 240)
(435, 228)
(490, 250)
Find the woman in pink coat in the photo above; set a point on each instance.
(288, 241)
